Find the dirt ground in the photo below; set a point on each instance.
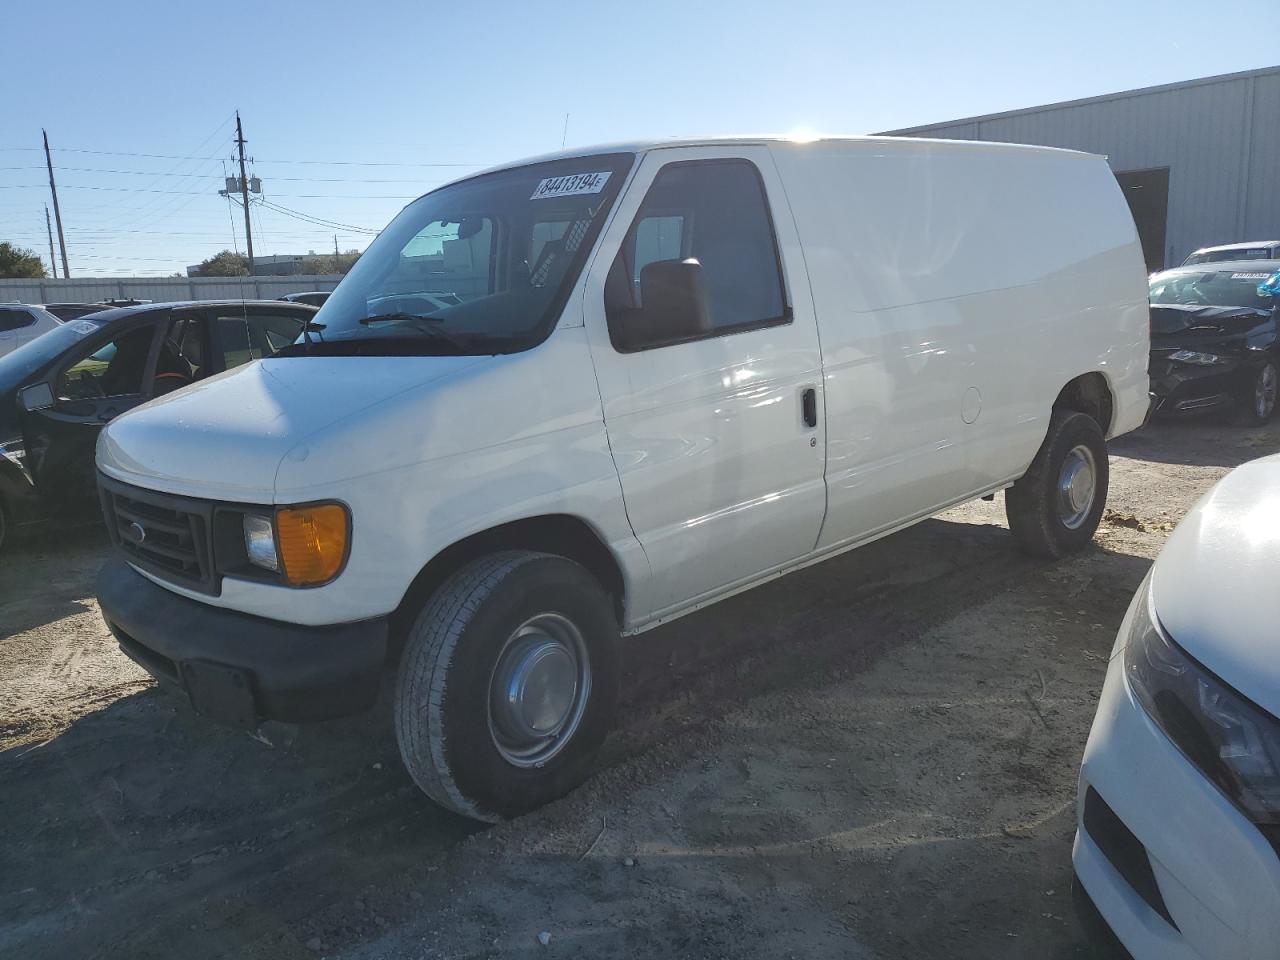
(875, 757)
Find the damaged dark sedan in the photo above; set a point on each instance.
(1214, 341)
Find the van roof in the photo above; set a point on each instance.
(816, 142)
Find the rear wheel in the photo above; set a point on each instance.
(1054, 509)
(508, 684)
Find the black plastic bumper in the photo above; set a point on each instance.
(238, 668)
(1183, 388)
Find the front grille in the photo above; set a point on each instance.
(166, 535)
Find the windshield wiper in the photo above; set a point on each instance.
(379, 317)
(424, 323)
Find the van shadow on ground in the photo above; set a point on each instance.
(149, 829)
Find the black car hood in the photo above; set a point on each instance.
(1170, 319)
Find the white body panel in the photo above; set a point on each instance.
(1213, 590)
(1225, 556)
(948, 286)
(910, 291)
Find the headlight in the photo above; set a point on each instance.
(307, 545)
(260, 542)
(15, 451)
(1234, 743)
(1195, 356)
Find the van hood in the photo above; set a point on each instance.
(1215, 583)
(225, 437)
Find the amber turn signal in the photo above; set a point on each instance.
(312, 542)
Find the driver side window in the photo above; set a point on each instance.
(115, 369)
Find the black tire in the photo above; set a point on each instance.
(1258, 400)
(1038, 517)
(444, 719)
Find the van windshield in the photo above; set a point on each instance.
(482, 266)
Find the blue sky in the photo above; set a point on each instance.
(346, 106)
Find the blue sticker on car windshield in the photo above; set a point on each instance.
(1270, 287)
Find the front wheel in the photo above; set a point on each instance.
(1258, 401)
(1054, 509)
(508, 684)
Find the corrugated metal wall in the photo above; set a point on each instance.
(162, 289)
(1219, 137)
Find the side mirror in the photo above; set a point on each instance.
(38, 396)
(673, 307)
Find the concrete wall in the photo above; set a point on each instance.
(1219, 137)
(162, 289)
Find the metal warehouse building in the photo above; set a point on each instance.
(1199, 161)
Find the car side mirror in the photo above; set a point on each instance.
(38, 396)
(673, 307)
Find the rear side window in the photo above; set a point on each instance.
(713, 211)
(15, 319)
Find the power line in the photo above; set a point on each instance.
(150, 173)
(299, 215)
(338, 163)
(201, 193)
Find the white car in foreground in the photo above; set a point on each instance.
(1178, 840)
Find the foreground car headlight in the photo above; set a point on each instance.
(1235, 743)
(307, 544)
(1196, 357)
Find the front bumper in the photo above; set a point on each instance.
(238, 668)
(1188, 388)
(1215, 875)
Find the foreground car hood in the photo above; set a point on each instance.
(1173, 319)
(1216, 584)
(225, 437)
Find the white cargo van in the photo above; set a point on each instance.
(570, 399)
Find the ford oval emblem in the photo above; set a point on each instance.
(138, 532)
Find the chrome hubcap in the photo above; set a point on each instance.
(1077, 486)
(538, 691)
(1264, 391)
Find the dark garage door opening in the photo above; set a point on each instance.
(1148, 194)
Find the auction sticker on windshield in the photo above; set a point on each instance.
(571, 186)
(1250, 276)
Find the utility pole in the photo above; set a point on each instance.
(335, 249)
(244, 193)
(52, 262)
(57, 214)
